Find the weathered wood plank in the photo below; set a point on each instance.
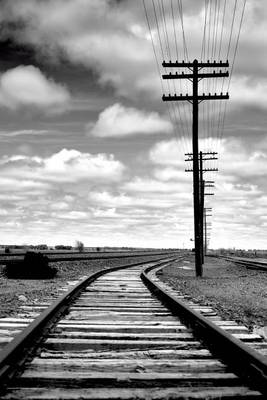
(248, 337)
(124, 306)
(123, 314)
(159, 323)
(90, 379)
(77, 344)
(124, 365)
(15, 320)
(122, 328)
(5, 340)
(9, 332)
(124, 309)
(115, 316)
(121, 335)
(130, 354)
(117, 301)
(152, 393)
(13, 325)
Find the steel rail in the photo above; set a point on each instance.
(14, 355)
(243, 360)
(81, 257)
(257, 265)
(73, 252)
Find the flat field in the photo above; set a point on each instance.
(235, 292)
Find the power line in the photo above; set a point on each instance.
(218, 40)
(172, 114)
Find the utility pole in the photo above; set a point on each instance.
(203, 156)
(206, 210)
(195, 99)
(202, 199)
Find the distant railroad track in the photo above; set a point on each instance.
(72, 252)
(246, 262)
(54, 257)
(119, 334)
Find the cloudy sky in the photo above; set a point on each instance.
(88, 149)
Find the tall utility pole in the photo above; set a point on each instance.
(195, 99)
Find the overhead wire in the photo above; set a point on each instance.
(222, 112)
(174, 31)
(215, 81)
(169, 54)
(203, 58)
(211, 80)
(203, 45)
(180, 6)
(170, 107)
(221, 121)
(217, 40)
(207, 81)
(217, 129)
(234, 59)
(204, 82)
(167, 44)
(154, 51)
(186, 58)
(177, 58)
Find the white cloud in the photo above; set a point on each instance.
(60, 205)
(113, 39)
(87, 191)
(167, 152)
(72, 215)
(23, 132)
(137, 202)
(108, 200)
(171, 153)
(99, 34)
(245, 91)
(240, 161)
(22, 184)
(118, 120)
(64, 166)
(171, 174)
(28, 86)
(148, 185)
(107, 213)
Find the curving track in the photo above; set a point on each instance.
(118, 341)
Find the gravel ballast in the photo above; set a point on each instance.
(235, 292)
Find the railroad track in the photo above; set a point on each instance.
(248, 263)
(112, 338)
(9, 259)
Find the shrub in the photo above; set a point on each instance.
(34, 266)
(7, 250)
(79, 246)
(63, 247)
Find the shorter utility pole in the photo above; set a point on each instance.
(207, 213)
(203, 156)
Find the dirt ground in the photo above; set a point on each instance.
(235, 292)
(42, 289)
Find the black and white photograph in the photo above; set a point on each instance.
(133, 199)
